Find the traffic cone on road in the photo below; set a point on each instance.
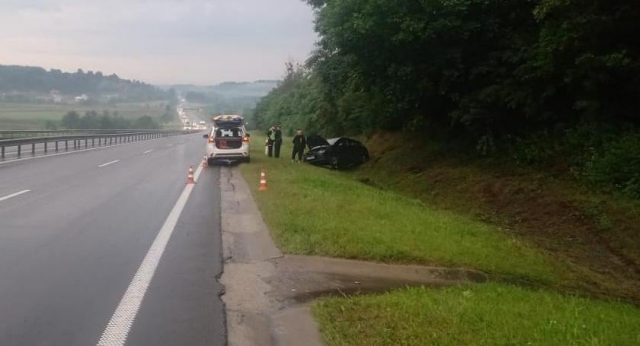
(263, 182)
(205, 164)
(190, 176)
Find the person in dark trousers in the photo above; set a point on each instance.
(270, 134)
(299, 142)
(277, 141)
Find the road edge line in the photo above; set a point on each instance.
(117, 330)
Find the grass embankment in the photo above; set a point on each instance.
(488, 314)
(27, 116)
(315, 211)
(596, 235)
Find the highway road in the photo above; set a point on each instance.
(111, 247)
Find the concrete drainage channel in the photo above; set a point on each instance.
(268, 295)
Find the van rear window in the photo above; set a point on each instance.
(232, 132)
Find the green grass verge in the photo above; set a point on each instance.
(27, 116)
(488, 314)
(316, 211)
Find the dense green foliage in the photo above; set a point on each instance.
(20, 81)
(94, 120)
(488, 73)
(482, 67)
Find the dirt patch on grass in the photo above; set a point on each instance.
(597, 235)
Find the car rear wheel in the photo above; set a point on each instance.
(333, 161)
(248, 159)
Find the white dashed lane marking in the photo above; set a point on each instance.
(14, 195)
(108, 163)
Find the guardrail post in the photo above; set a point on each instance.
(33, 148)
(45, 147)
(66, 145)
(3, 152)
(56, 146)
(86, 143)
(93, 142)
(19, 150)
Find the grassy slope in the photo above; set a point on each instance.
(34, 116)
(596, 235)
(489, 314)
(315, 211)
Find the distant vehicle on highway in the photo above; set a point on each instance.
(337, 153)
(228, 140)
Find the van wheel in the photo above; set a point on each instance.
(248, 159)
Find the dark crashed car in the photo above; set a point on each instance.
(337, 153)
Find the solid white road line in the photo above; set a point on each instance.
(117, 330)
(14, 195)
(148, 151)
(108, 163)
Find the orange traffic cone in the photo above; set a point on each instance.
(205, 163)
(190, 176)
(263, 182)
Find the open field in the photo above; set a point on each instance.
(315, 211)
(487, 314)
(26, 116)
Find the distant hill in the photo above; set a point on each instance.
(228, 97)
(24, 83)
(255, 89)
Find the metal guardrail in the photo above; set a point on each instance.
(10, 134)
(102, 139)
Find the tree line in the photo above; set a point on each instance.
(105, 120)
(491, 74)
(35, 79)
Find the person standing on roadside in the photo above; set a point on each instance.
(277, 141)
(299, 142)
(270, 135)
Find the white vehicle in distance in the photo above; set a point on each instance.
(228, 140)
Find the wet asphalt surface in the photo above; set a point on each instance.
(70, 246)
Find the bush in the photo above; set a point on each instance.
(617, 165)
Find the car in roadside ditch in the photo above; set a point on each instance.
(228, 140)
(337, 153)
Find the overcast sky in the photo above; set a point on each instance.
(158, 41)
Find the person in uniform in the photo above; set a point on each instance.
(277, 141)
(299, 142)
(270, 135)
